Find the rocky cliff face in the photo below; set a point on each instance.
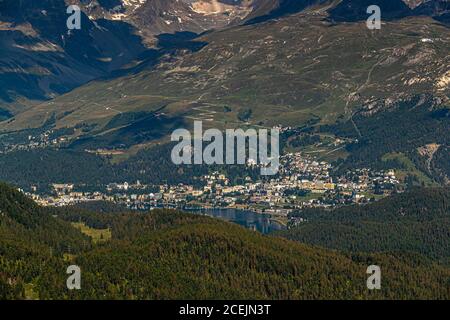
(415, 3)
(168, 16)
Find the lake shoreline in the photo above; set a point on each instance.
(262, 222)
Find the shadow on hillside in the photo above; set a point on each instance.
(166, 44)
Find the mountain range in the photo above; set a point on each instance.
(41, 59)
(96, 106)
(139, 69)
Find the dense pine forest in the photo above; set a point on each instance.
(417, 222)
(403, 128)
(165, 254)
(43, 167)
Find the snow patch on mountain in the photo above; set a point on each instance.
(133, 5)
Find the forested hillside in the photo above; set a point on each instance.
(44, 167)
(167, 255)
(402, 130)
(32, 243)
(417, 222)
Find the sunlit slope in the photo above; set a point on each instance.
(287, 71)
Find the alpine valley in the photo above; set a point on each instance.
(86, 117)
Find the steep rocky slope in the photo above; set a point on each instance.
(40, 58)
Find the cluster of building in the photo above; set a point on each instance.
(302, 182)
(39, 141)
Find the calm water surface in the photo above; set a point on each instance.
(248, 219)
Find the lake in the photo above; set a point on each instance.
(248, 219)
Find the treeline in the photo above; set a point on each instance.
(417, 221)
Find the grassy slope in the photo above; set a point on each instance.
(288, 71)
